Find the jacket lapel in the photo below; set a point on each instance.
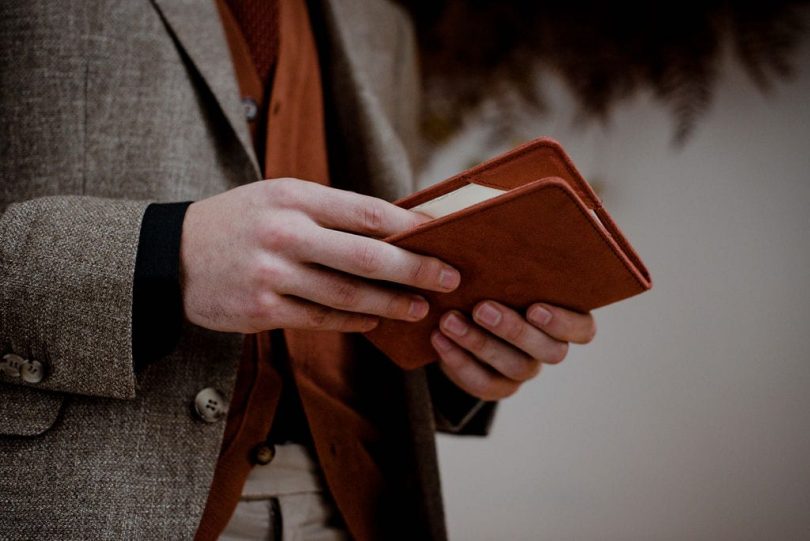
(375, 92)
(195, 25)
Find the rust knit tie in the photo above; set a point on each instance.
(258, 20)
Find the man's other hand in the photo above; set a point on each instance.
(491, 356)
(294, 254)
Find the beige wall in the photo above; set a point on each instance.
(689, 416)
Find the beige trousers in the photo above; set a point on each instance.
(286, 501)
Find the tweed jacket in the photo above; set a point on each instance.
(105, 107)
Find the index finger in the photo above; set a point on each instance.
(372, 258)
(357, 213)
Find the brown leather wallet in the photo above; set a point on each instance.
(547, 238)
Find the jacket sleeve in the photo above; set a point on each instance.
(66, 284)
(455, 411)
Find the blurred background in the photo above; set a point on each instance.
(689, 416)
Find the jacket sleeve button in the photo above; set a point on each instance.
(210, 405)
(32, 371)
(11, 364)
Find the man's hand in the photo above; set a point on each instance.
(297, 255)
(491, 357)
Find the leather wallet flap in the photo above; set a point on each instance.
(537, 159)
(536, 243)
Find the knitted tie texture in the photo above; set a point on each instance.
(258, 20)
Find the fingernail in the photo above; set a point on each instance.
(441, 342)
(488, 314)
(449, 278)
(418, 309)
(539, 315)
(455, 325)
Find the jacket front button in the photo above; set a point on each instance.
(11, 365)
(264, 453)
(32, 371)
(210, 405)
(251, 108)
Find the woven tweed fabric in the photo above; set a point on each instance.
(105, 106)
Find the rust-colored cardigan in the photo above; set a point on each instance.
(352, 406)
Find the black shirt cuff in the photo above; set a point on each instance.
(157, 302)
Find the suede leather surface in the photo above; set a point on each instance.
(538, 242)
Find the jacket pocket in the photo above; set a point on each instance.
(27, 412)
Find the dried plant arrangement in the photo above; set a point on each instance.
(478, 49)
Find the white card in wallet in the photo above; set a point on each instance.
(463, 197)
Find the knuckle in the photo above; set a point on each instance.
(284, 191)
(263, 310)
(269, 274)
(517, 368)
(372, 216)
(515, 330)
(346, 294)
(447, 366)
(280, 237)
(558, 353)
(261, 193)
(529, 369)
(423, 269)
(317, 316)
(368, 258)
(452, 361)
(480, 344)
(345, 323)
(396, 306)
(265, 230)
(353, 323)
